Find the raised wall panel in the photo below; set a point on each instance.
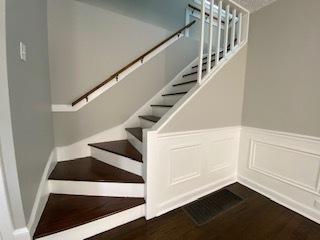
(282, 166)
(219, 154)
(292, 166)
(185, 163)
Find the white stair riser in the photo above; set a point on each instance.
(159, 111)
(118, 161)
(108, 189)
(135, 142)
(146, 124)
(183, 88)
(95, 227)
(173, 99)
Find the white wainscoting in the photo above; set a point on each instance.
(181, 167)
(282, 166)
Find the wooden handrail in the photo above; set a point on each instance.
(199, 10)
(116, 75)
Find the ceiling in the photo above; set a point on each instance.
(254, 5)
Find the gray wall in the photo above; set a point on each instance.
(283, 70)
(116, 105)
(88, 43)
(218, 104)
(29, 90)
(166, 14)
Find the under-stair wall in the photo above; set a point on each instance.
(197, 151)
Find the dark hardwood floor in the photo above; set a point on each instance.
(256, 218)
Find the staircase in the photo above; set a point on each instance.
(99, 192)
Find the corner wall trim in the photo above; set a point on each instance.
(42, 194)
(22, 234)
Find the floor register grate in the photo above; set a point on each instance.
(207, 208)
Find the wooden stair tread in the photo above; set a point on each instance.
(183, 83)
(193, 73)
(162, 105)
(137, 132)
(92, 170)
(150, 118)
(122, 147)
(63, 212)
(172, 94)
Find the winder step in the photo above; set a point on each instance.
(92, 170)
(136, 132)
(64, 212)
(121, 147)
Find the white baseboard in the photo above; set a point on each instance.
(194, 195)
(281, 199)
(42, 194)
(283, 166)
(21, 234)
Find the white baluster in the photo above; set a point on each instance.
(210, 36)
(239, 30)
(203, 10)
(226, 31)
(233, 28)
(187, 31)
(219, 32)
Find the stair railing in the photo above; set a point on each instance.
(235, 30)
(122, 73)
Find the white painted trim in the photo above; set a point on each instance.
(280, 199)
(110, 189)
(118, 161)
(290, 184)
(22, 234)
(42, 193)
(6, 224)
(99, 226)
(196, 180)
(194, 195)
(281, 134)
(6, 132)
(239, 6)
(81, 149)
(70, 108)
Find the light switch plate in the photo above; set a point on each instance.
(23, 52)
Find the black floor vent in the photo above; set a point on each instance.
(207, 208)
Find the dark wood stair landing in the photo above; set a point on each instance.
(92, 170)
(122, 147)
(63, 212)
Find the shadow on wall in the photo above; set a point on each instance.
(166, 14)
